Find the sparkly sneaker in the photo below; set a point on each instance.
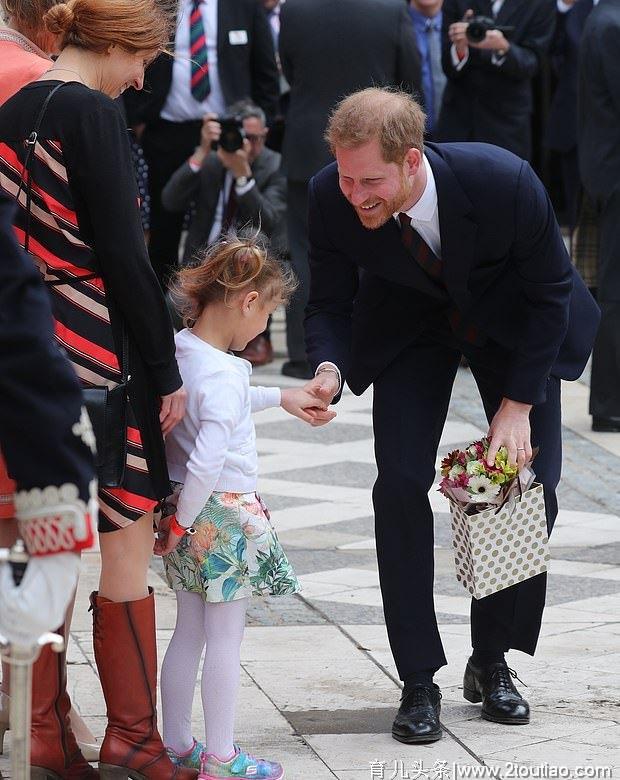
(241, 766)
(191, 759)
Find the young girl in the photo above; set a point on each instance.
(220, 547)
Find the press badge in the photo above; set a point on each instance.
(238, 37)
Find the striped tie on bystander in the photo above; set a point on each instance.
(200, 84)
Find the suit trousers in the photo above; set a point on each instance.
(605, 381)
(297, 225)
(166, 146)
(410, 405)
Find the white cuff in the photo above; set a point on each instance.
(458, 64)
(498, 60)
(327, 364)
(273, 397)
(195, 168)
(246, 187)
(563, 8)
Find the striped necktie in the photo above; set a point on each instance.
(200, 84)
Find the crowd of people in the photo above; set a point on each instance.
(236, 112)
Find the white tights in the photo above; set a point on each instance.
(219, 626)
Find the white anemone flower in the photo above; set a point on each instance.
(482, 489)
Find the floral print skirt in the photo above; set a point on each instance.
(234, 553)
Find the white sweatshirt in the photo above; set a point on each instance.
(213, 448)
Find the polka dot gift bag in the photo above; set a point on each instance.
(499, 525)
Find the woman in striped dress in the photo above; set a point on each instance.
(86, 237)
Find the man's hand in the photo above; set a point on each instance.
(166, 541)
(172, 409)
(457, 34)
(323, 388)
(306, 406)
(494, 40)
(236, 162)
(511, 428)
(39, 603)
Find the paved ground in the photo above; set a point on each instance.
(318, 683)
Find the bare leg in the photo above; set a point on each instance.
(125, 557)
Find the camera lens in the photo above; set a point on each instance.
(476, 31)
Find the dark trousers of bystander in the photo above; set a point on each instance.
(297, 225)
(410, 405)
(166, 146)
(605, 382)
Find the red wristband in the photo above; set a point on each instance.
(176, 528)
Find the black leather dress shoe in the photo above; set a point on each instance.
(492, 685)
(606, 424)
(417, 719)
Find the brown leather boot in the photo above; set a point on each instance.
(126, 656)
(54, 752)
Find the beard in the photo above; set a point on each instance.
(385, 209)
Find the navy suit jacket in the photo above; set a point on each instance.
(505, 268)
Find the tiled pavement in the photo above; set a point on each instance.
(319, 687)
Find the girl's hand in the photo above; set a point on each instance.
(166, 541)
(307, 407)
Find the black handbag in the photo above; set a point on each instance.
(107, 408)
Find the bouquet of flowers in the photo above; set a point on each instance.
(470, 481)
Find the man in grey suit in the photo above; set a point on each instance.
(599, 163)
(328, 49)
(232, 189)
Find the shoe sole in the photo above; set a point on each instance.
(414, 740)
(505, 721)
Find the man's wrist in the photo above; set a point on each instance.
(517, 406)
(197, 158)
(332, 368)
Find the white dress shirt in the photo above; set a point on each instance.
(424, 215)
(213, 448)
(180, 105)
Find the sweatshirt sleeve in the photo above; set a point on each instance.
(221, 406)
(265, 398)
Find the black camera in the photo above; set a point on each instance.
(479, 26)
(232, 135)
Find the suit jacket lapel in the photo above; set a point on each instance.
(457, 231)
(223, 25)
(392, 261)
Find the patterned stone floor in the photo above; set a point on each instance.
(319, 687)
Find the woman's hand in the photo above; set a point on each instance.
(172, 409)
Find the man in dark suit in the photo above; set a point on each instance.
(599, 163)
(223, 53)
(418, 255)
(489, 92)
(561, 134)
(329, 48)
(232, 189)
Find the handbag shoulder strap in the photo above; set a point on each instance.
(31, 143)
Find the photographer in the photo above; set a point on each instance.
(237, 184)
(488, 96)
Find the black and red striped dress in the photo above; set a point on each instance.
(85, 218)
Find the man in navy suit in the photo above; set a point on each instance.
(418, 255)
